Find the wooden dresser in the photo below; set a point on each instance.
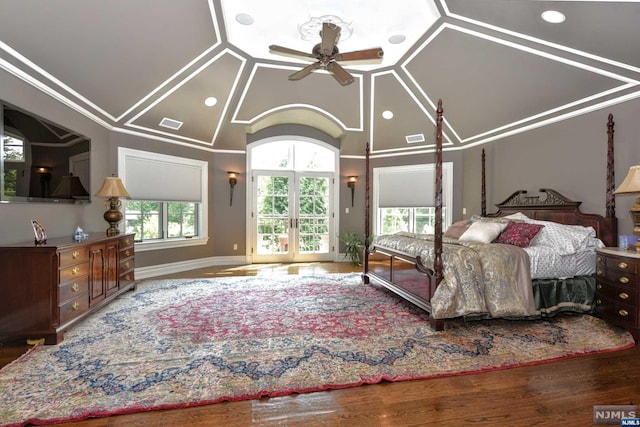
(618, 288)
(46, 289)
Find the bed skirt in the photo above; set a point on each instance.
(576, 294)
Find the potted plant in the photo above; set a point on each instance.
(353, 246)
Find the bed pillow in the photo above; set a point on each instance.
(519, 234)
(519, 216)
(478, 218)
(456, 229)
(565, 239)
(483, 232)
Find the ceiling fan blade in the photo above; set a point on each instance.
(330, 34)
(305, 71)
(340, 74)
(358, 55)
(287, 51)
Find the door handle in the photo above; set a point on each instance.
(290, 222)
(296, 222)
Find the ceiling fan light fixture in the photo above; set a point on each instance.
(244, 19)
(553, 16)
(397, 38)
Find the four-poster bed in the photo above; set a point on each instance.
(451, 275)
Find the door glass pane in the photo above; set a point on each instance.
(313, 236)
(273, 214)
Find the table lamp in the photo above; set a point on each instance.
(631, 185)
(112, 188)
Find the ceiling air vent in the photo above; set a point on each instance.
(170, 123)
(412, 139)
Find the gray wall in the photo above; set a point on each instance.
(568, 156)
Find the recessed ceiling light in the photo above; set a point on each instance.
(244, 19)
(397, 39)
(553, 16)
(387, 114)
(210, 101)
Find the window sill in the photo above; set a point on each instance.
(153, 245)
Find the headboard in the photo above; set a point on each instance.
(557, 208)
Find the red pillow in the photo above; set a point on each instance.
(519, 234)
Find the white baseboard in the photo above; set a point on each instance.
(179, 267)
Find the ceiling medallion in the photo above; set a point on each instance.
(310, 30)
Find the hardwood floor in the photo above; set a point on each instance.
(552, 394)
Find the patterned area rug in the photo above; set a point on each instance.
(174, 344)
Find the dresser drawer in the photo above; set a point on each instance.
(73, 289)
(73, 272)
(624, 294)
(73, 256)
(126, 264)
(623, 265)
(74, 308)
(617, 277)
(617, 312)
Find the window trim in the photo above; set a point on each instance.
(203, 213)
(447, 189)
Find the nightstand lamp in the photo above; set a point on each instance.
(112, 188)
(631, 185)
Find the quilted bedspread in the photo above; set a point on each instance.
(479, 278)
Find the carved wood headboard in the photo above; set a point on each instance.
(557, 208)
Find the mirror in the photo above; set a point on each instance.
(41, 161)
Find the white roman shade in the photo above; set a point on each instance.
(407, 188)
(159, 177)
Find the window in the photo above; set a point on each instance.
(14, 158)
(13, 149)
(404, 198)
(168, 204)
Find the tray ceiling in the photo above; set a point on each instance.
(499, 68)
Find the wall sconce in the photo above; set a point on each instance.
(351, 183)
(233, 180)
(631, 185)
(112, 188)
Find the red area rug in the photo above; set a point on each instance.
(173, 344)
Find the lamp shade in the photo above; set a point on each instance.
(70, 187)
(112, 187)
(631, 183)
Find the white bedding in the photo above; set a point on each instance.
(558, 251)
(547, 263)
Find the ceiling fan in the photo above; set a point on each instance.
(327, 54)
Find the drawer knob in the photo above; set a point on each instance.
(75, 255)
(599, 259)
(127, 264)
(623, 265)
(127, 277)
(75, 306)
(75, 270)
(127, 241)
(624, 279)
(75, 287)
(126, 252)
(624, 295)
(599, 272)
(623, 313)
(599, 286)
(599, 301)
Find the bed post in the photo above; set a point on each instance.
(611, 199)
(367, 226)
(483, 189)
(437, 244)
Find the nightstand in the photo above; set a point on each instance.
(618, 288)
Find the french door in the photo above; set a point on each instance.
(292, 215)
